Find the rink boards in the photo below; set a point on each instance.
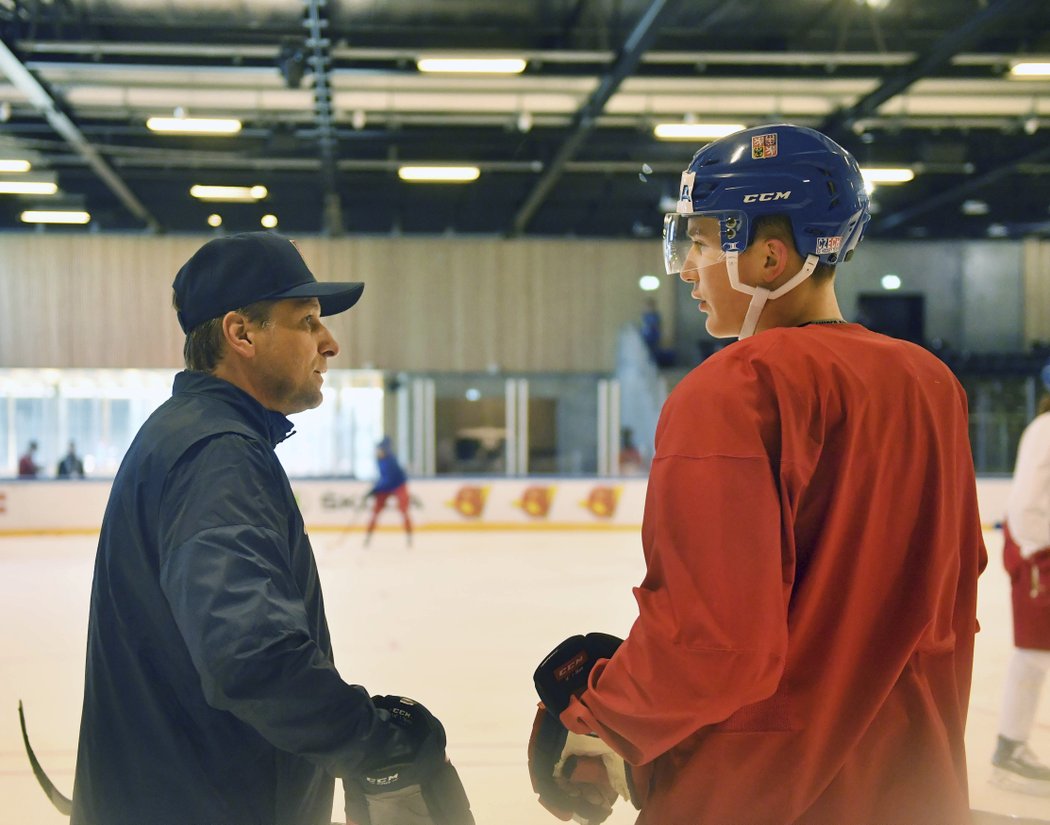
(76, 507)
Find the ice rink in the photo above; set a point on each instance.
(458, 621)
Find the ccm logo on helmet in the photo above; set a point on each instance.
(768, 196)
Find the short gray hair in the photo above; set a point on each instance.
(205, 344)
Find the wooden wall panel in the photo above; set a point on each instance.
(450, 304)
(1036, 291)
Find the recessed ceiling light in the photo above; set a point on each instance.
(887, 174)
(472, 65)
(228, 193)
(268, 221)
(55, 216)
(194, 125)
(1029, 68)
(439, 174)
(27, 187)
(974, 207)
(215, 220)
(695, 131)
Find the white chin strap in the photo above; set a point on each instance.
(759, 294)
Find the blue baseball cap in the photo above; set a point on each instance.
(236, 270)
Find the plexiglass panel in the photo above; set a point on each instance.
(100, 411)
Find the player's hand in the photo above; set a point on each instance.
(412, 781)
(563, 672)
(575, 776)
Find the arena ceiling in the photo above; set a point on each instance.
(332, 104)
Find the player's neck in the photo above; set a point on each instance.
(810, 301)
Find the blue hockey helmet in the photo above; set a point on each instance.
(777, 169)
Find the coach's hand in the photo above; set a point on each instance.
(412, 782)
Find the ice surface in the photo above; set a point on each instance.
(458, 621)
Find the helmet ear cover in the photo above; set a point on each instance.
(785, 170)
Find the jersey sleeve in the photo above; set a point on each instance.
(711, 633)
(1028, 506)
(224, 569)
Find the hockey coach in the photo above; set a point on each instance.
(211, 694)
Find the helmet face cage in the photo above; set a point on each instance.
(778, 169)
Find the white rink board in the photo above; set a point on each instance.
(459, 504)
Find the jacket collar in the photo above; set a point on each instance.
(273, 426)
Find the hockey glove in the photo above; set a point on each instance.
(414, 783)
(576, 776)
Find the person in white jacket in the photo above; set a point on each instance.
(1026, 556)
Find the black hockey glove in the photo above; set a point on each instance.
(576, 776)
(413, 783)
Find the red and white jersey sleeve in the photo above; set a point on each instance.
(804, 637)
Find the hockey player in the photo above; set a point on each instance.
(805, 630)
(1026, 556)
(211, 694)
(392, 481)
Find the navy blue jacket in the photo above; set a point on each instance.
(211, 695)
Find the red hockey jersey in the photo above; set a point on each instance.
(804, 642)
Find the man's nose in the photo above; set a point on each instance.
(689, 272)
(327, 345)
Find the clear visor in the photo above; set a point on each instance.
(693, 237)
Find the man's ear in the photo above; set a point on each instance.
(775, 258)
(237, 334)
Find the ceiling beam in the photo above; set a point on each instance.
(586, 116)
(949, 196)
(939, 54)
(49, 106)
(236, 54)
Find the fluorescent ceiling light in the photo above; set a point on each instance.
(695, 131)
(27, 187)
(472, 65)
(194, 125)
(57, 216)
(1030, 69)
(228, 193)
(439, 174)
(15, 165)
(887, 175)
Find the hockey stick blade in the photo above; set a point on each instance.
(63, 803)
